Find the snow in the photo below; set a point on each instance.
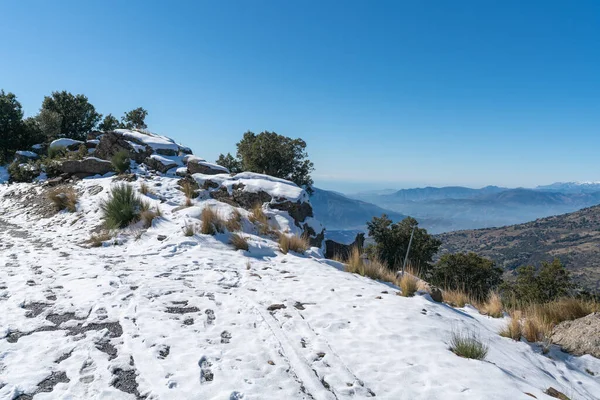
(150, 139)
(163, 160)
(190, 157)
(28, 154)
(137, 147)
(206, 303)
(64, 142)
(37, 146)
(253, 182)
(4, 175)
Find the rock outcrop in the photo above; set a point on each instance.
(335, 249)
(196, 165)
(160, 163)
(113, 142)
(581, 336)
(87, 167)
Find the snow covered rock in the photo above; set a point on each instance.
(160, 163)
(581, 336)
(22, 156)
(247, 189)
(87, 167)
(196, 165)
(113, 142)
(69, 144)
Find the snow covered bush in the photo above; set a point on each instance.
(467, 344)
(122, 207)
(64, 198)
(23, 172)
(121, 161)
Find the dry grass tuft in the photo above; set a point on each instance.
(189, 189)
(239, 242)
(354, 263)
(374, 268)
(298, 244)
(258, 216)
(212, 223)
(513, 329)
(64, 198)
(456, 298)
(234, 222)
(147, 214)
(408, 285)
(189, 230)
(493, 306)
(97, 239)
(468, 345)
(145, 189)
(188, 202)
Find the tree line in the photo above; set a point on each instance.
(62, 114)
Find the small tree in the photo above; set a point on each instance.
(77, 115)
(11, 116)
(135, 119)
(232, 164)
(549, 283)
(49, 124)
(467, 272)
(109, 123)
(275, 155)
(391, 243)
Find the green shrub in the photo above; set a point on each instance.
(56, 152)
(52, 168)
(551, 282)
(468, 272)
(468, 345)
(122, 208)
(121, 161)
(23, 172)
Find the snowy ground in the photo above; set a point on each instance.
(190, 318)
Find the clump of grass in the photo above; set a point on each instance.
(373, 268)
(234, 222)
(64, 198)
(211, 222)
(145, 189)
(467, 344)
(408, 285)
(147, 215)
(189, 230)
(535, 328)
(298, 244)
(122, 207)
(120, 161)
(513, 328)
(239, 242)
(456, 298)
(354, 262)
(493, 306)
(260, 219)
(97, 239)
(189, 189)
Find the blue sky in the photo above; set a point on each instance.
(386, 93)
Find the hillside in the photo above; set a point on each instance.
(336, 211)
(573, 237)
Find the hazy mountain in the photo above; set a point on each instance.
(434, 193)
(572, 187)
(338, 212)
(574, 238)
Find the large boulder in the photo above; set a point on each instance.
(334, 249)
(282, 197)
(113, 142)
(87, 167)
(197, 165)
(581, 336)
(160, 163)
(69, 144)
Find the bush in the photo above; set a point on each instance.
(22, 172)
(109, 123)
(408, 285)
(122, 208)
(63, 198)
(260, 219)
(272, 154)
(57, 152)
(234, 222)
(135, 119)
(298, 244)
(77, 115)
(239, 242)
(493, 305)
(391, 242)
(52, 168)
(549, 283)
(211, 222)
(15, 133)
(120, 161)
(373, 268)
(468, 345)
(469, 272)
(188, 230)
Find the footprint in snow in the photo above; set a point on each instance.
(236, 396)
(206, 374)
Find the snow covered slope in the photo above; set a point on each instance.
(159, 315)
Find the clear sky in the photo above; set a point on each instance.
(386, 93)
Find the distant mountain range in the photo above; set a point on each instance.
(572, 187)
(574, 238)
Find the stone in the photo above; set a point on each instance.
(274, 307)
(579, 337)
(197, 166)
(335, 249)
(159, 166)
(87, 167)
(436, 294)
(112, 142)
(556, 394)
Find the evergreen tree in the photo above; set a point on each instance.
(232, 164)
(135, 119)
(109, 123)
(77, 115)
(11, 117)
